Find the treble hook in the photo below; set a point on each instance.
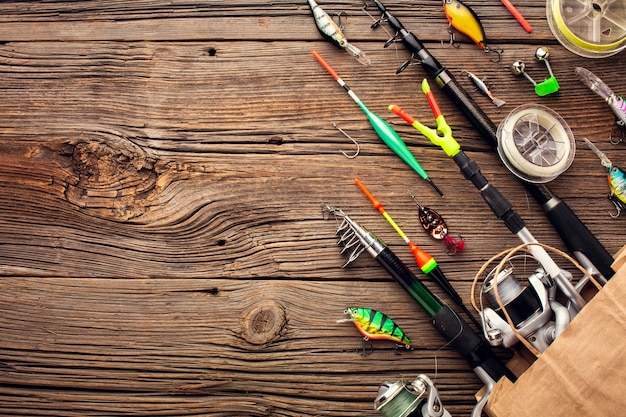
(619, 132)
(497, 51)
(452, 43)
(618, 208)
(338, 14)
(358, 148)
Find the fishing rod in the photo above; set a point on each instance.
(356, 239)
(382, 128)
(500, 206)
(423, 259)
(577, 237)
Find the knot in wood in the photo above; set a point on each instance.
(112, 179)
(263, 322)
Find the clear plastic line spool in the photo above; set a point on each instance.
(535, 143)
(589, 28)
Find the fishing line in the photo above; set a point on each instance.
(377, 23)
(587, 28)
(535, 143)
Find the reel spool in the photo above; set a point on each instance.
(419, 399)
(589, 28)
(535, 143)
(534, 314)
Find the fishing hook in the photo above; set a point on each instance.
(338, 14)
(358, 147)
(615, 142)
(453, 42)
(618, 208)
(497, 51)
(619, 132)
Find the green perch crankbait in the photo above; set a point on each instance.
(374, 325)
(332, 32)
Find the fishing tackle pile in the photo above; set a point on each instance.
(577, 237)
(423, 259)
(616, 178)
(382, 128)
(355, 239)
(462, 18)
(500, 206)
(333, 33)
(374, 325)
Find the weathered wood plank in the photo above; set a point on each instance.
(256, 20)
(163, 250)
(253, 342)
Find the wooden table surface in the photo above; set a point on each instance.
(163, 165)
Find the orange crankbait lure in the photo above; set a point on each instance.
(464, 19)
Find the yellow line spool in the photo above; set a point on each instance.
(589, 28)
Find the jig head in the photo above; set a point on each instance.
(462, 18)
(374, 325)
(333, 33)
(549, 85)
(616, 178)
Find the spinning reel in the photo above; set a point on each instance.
(419, 399)
(530, 312)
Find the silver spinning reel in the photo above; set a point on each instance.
(419, 399)
(533, 310)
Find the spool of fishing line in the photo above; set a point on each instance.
(535, 143)
(589, 28)
(396, 399)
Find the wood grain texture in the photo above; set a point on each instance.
(163, 165)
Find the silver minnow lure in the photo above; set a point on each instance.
(616, 177)
(482, 87)
(595, 84)
(332, 32)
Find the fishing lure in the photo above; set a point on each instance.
(482, 87)
(374, 325)
(614, 100)
(332, 32)
(464, 19)
(436, 227)
(616, 178)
